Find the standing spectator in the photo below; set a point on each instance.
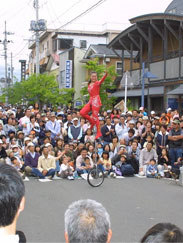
(9, 126)
(46, 163)
(69, 120)
(19, 113)
(146, 155)
(175, 141)
(75, 131)
(54, 126)
(148, 130)
(108, 131)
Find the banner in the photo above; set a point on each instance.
(68, 74)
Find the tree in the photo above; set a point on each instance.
(107, 102)
(42, 89)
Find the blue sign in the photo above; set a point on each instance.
(68, 74)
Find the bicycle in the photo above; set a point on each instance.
(95, 176)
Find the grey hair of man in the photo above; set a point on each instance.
(87, 221)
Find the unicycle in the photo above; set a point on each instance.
(95, 176)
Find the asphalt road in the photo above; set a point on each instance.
(134, 205)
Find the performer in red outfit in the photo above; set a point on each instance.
(94, 103)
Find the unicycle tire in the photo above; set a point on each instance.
(95, 177)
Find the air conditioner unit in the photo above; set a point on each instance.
(107, 59)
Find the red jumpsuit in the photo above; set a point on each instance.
(94, 105)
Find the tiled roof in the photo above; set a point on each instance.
(175, 7)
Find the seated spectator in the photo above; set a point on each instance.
(80, 162)
(75, 131)
(3, 154)
(163, 232)
(108, 131)
(31, 161)
(89, 137)
(152, 171)
(12, 203)
(87, 221)
(18, 165)
(9, 126)
(121, 128)
(117, 157)
(54, 126)
(163, 162)
(149, 139)
(126, 169)
(146, 155)
(66, 171)
(148, 130)
(107, 165)
(114, 145)
(20, 138)
(133, 156)
(99, 149)
(46, 164)
(33, 126)
(128, 137)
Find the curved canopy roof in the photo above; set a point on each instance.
(140, 28)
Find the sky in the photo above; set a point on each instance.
(112, 14)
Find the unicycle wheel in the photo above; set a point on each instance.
(95, 177)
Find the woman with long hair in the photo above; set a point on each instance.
(94, 103)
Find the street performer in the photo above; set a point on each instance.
(94, 103)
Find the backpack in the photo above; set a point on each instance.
(127, 170)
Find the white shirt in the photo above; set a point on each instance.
(63, 167)
(8, 238)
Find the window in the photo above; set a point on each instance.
(119, 68)
(65, 44)
(54, 45)
(172, 11)
(83, 44)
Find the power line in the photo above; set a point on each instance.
(17, 54)
(82, 14)
(66, 11)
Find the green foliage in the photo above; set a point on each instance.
(92, 65)
(42, 89)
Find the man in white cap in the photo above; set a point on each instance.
(31, 161)
(54, 126)
(75, 131)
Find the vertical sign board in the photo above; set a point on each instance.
(68, 74)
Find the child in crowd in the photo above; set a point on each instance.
(163, 163)
(126, 169)
(66, 171)
(17, 164)
(152, 171)
(100, 149)
(107, 165)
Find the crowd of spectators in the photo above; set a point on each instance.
(47, 143)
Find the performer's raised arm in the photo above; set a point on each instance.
(103, 78)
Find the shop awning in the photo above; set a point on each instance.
(177, 91)
(138, 92)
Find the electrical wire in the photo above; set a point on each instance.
(66, 11)
(17, 54)
(82, 14)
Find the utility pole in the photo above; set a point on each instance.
(37, 26)
(36, 5)
(5, 42)
(12, 68)
(5, 57)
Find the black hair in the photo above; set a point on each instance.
(32, 116)
(105, 152)
(108, 146)
(12, 190)
(115, 137)
(163, 232)
(90, 75)
(164, 126)
(131, 131)
(84, 149)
